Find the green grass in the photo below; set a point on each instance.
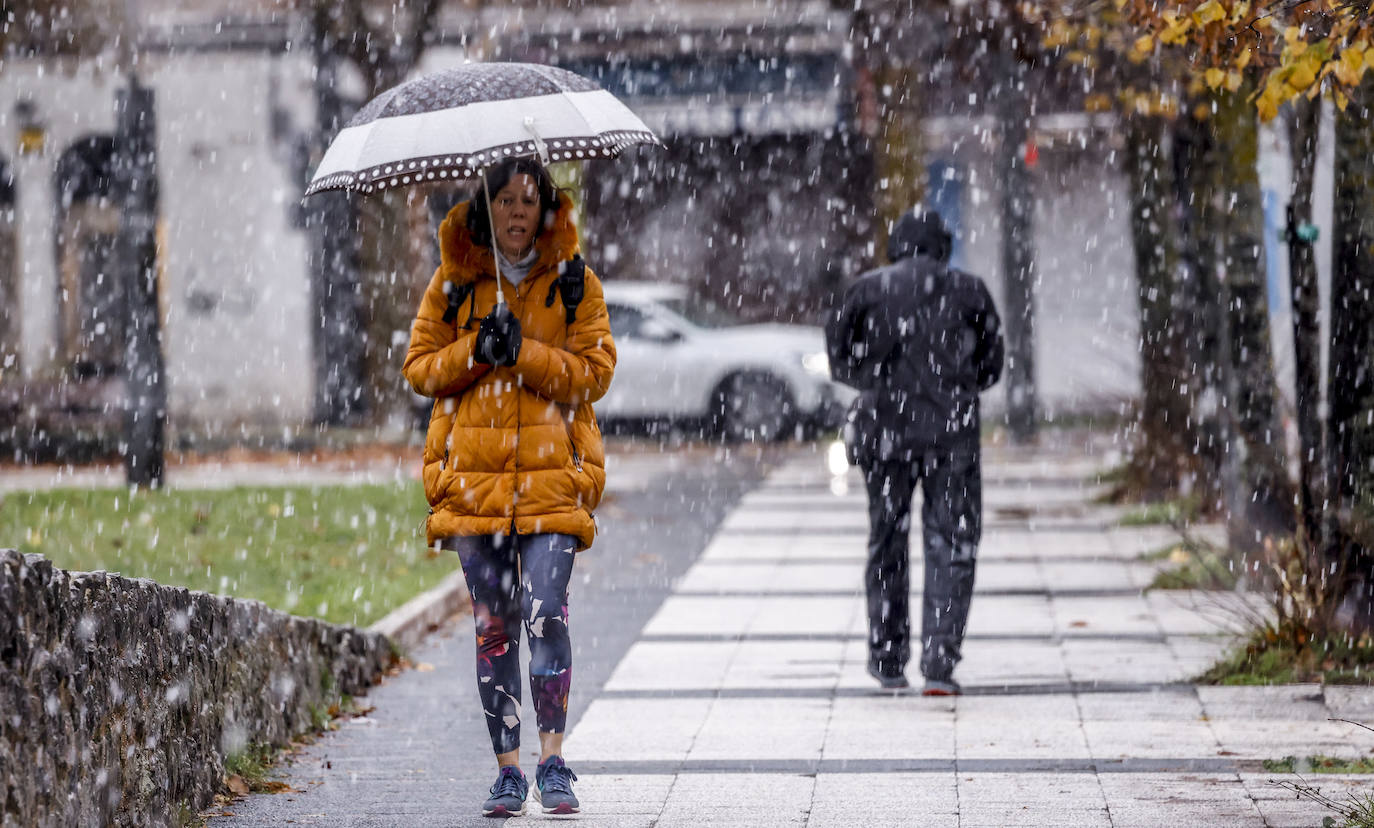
(1197, 566)
(347, 554)
(1270, 658)
(254, 764)
(1169, 512)
(1319, 764)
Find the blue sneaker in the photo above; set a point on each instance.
(553, 785)
(507, 795)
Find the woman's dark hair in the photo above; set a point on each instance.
(479, 219)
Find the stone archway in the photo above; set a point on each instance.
(93, 300)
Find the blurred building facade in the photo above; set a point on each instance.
(762, 199)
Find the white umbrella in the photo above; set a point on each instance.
(451, 125)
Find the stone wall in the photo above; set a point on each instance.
(119, 698)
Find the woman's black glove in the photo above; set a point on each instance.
(498, 338)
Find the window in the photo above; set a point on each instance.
(92, 297)
(626, 322)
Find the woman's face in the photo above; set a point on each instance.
(515, 214)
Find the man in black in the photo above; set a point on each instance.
(919, 340)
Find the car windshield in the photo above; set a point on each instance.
(702, 313)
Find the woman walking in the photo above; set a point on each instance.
(513, 459)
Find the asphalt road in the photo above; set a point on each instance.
(423, 757)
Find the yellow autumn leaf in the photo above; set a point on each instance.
(1349, 68)
(1058, 35)
(1304, 73)
(1292, 35)
(1268, 107)
(1341, 100)
(1244, 59)
(1145, 44)
(1233, 81)
(1240, 11)
(1097, 102)
(1177, 34)
(1209, 12)
(1214, 78)
(1369, 57)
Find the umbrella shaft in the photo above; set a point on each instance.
(495, 258)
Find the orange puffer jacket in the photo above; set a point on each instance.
(512, 448)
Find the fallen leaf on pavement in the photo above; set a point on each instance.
(424, 667)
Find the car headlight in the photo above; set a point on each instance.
(816, 364)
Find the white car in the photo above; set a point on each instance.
(745, 382)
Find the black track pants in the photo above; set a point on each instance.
(951, 526)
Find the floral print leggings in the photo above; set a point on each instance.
(514, 580)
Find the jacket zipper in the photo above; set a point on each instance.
(519, 296)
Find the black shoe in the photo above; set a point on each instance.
(889, 679)
(553, 785)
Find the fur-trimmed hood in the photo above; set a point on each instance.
(463, 261)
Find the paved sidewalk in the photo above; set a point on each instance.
(746, 701)
(728, 688)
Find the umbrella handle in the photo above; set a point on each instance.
(495, 255)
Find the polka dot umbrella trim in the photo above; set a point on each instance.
(452, 124)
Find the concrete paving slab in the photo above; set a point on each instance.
(746, 729)
(1277, 738)
(1107, 660)
(1353, 703)
(1164, 704)
(1126, 738)
(1287, 701)
(713, 799)
(662, 729)
(885, 799)
(728, 547)
(1282, 808)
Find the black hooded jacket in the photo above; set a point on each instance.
(919, 340)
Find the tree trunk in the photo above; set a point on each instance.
(1260, 498)
(396, 268)
(145, 415)
(1202, 313)
(336, 299)
(1303, 132)
(1163, 452)
(1018, 258)
(1351, 367)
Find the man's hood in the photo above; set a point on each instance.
(919, 231)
